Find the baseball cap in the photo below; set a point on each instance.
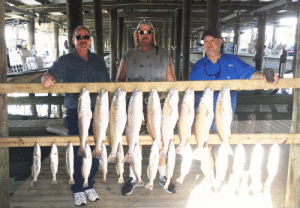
(144, 22)
(214, 32)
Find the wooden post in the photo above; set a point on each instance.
(56, 44)
(98, 27)
(172, 44)
(292, 199)
(113, 43)
(31, 29)
(166, 37)
(49, 106)
(213, 14)
(120, 38)
(186, 32)
(33, 106)
(178, 29)
(4, 151)
(124, 40)
(259, 56)
(74, 16)
(236, 38)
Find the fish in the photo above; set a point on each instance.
(186, 119)
(154, 117)
(186, 162)
(54, 162)
(100, 122)
(221, 166)
(36, 166)
(120, 163)
(273, 162)
(238, 165)
(207, 162)
(153, 165)
(84, 119)
(117, 122)
(137, 163)
(86, 165)
(204, 119)
(103, 162)
(255, 167)
(169, 119)
(170, 163)
(70, 162)
(224, 116)
(135, 118)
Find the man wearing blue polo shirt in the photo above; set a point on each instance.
(219, 66)
(78, 66)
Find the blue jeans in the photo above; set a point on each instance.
(71, 123)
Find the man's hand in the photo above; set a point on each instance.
(48, 81)
(260, 75)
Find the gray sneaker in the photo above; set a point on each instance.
(171, 189)
(80, 199)
(91, 195)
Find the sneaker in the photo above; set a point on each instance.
(80, 199)
(171, 189)
(128, 187)
(91, 195)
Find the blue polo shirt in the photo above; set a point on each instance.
(226, 68)
(72, 68)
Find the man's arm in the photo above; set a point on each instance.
(170, 71)
(121, 77)
(47, 80)
(260, 75)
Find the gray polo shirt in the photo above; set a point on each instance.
(72, 68)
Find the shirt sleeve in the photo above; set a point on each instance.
(245, 71)
(56, 70)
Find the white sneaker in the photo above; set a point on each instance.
(80, 199)
(91, 194)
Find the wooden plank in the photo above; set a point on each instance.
(147, 86)
(266, 138)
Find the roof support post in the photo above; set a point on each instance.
(236, 38)
(74, 16)
(98, 27)
(56, 44)
(259, 56)
(113, 43)
(293, 183)
(4, 151)
(178, 29)
(120, 39)
(213, 14)
(31, 29)
(172, 43)
(186, 32)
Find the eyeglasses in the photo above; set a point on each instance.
(79, 37)
(216, 75)
(141, 32)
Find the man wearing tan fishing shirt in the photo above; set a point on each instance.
(146, 62)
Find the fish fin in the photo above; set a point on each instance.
(96, 153)
(81, 152)
(121, 180)
(34, 183)
(178, 149)
(71, 181)
(127, 158)
(229, 150)
(179, 180)
(197, 153)
(103, 180)
(112, 159)
(149, 186)
(140, 182)
(54, 182)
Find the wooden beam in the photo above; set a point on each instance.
(147, 140)
(147, 86)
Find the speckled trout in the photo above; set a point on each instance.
(120, 163)
(170, 163)
(103, 162)
(36, 166)
(54, 162)
(86, 165)
(70, 162)
(186, 162)
(153, 165)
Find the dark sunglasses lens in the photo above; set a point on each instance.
(79, 37)
(144, 32)
(149, 32)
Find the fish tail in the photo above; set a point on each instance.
(103, 180)
(162, 154)
(128, 158)
(178, 150)
(112, 159)
(179, 180)
(121, 180)
(229, 150)
(34, 183)
(81, 152)
(197, 153)
(71, 181)
(96, 153)
(85, 183)
(149, 186)
(140, 182)
(54, 181)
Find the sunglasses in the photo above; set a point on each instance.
(141, 32)
(79, 37)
